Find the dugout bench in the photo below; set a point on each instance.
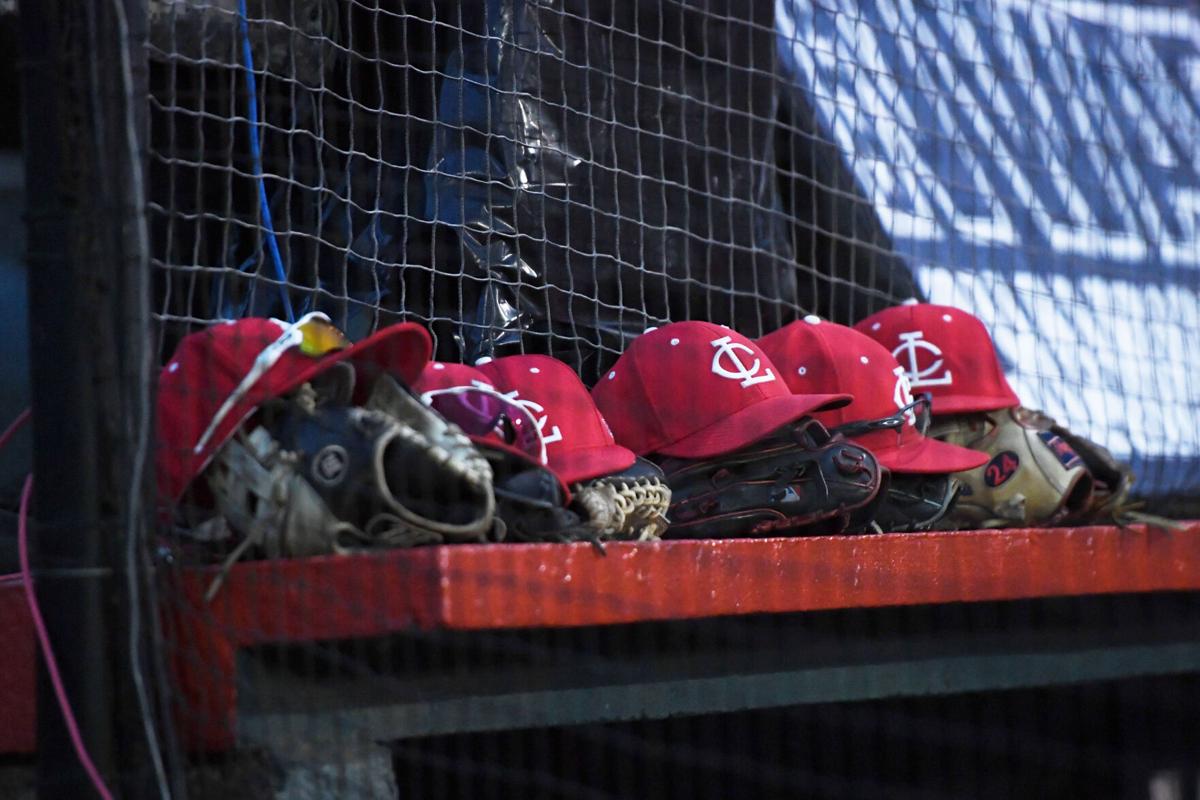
(906, 629)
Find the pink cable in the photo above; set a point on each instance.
(15, 426)
(44, 638)
(9, 432)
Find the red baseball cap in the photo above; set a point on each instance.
(220, 375)
(579, 443)
(445, 376)
(695, 389)
(440, 379)
(947, 353)
(438, 375)
(818, 356)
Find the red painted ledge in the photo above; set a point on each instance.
(549, 585)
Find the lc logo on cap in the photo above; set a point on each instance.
(579, 444)
(727, 351)
(910, 343)
(695, 389)
(539, 415)
(947, 354)
(902, 396)
(817, 356)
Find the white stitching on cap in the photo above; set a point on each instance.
(290, 336)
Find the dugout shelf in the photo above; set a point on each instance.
(463, 589)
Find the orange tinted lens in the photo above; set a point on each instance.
(321, 337)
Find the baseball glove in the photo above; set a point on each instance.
(1034, 477)
(916, 502)
(1112, 481)
(799, 480)
(309, 479)
(530, 503)
(630, 505)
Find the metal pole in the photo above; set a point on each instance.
(86, 303)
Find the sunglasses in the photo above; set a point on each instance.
(809, 434)
(313, 335)
(917, 413)
(484, 412)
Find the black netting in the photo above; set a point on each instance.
(554, 178)
(557, 177)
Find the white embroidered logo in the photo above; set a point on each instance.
(912, 341)
(902, 395)
(538, 412)
(727, 352)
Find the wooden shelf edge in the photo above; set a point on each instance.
(477, 587)
(480, 587)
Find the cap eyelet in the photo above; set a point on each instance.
(812, 319)
(674, 342)
(612, 375)
(876, 326)
(535, 370)
(802, 371)
(439, 366)
(864, 359)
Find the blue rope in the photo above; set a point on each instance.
(256, 154)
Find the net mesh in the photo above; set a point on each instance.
(1030, 162)
(569, 177)
(558, 176)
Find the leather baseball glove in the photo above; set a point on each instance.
(629, 505)
(309, 479)
(915, 502)
(531, 504)
(1112, 481)
(1035, 476)
(801, 480)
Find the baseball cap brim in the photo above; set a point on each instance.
(592, 462)
(402, 349)
(919, 454)
(750, 424)
(962, 404)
